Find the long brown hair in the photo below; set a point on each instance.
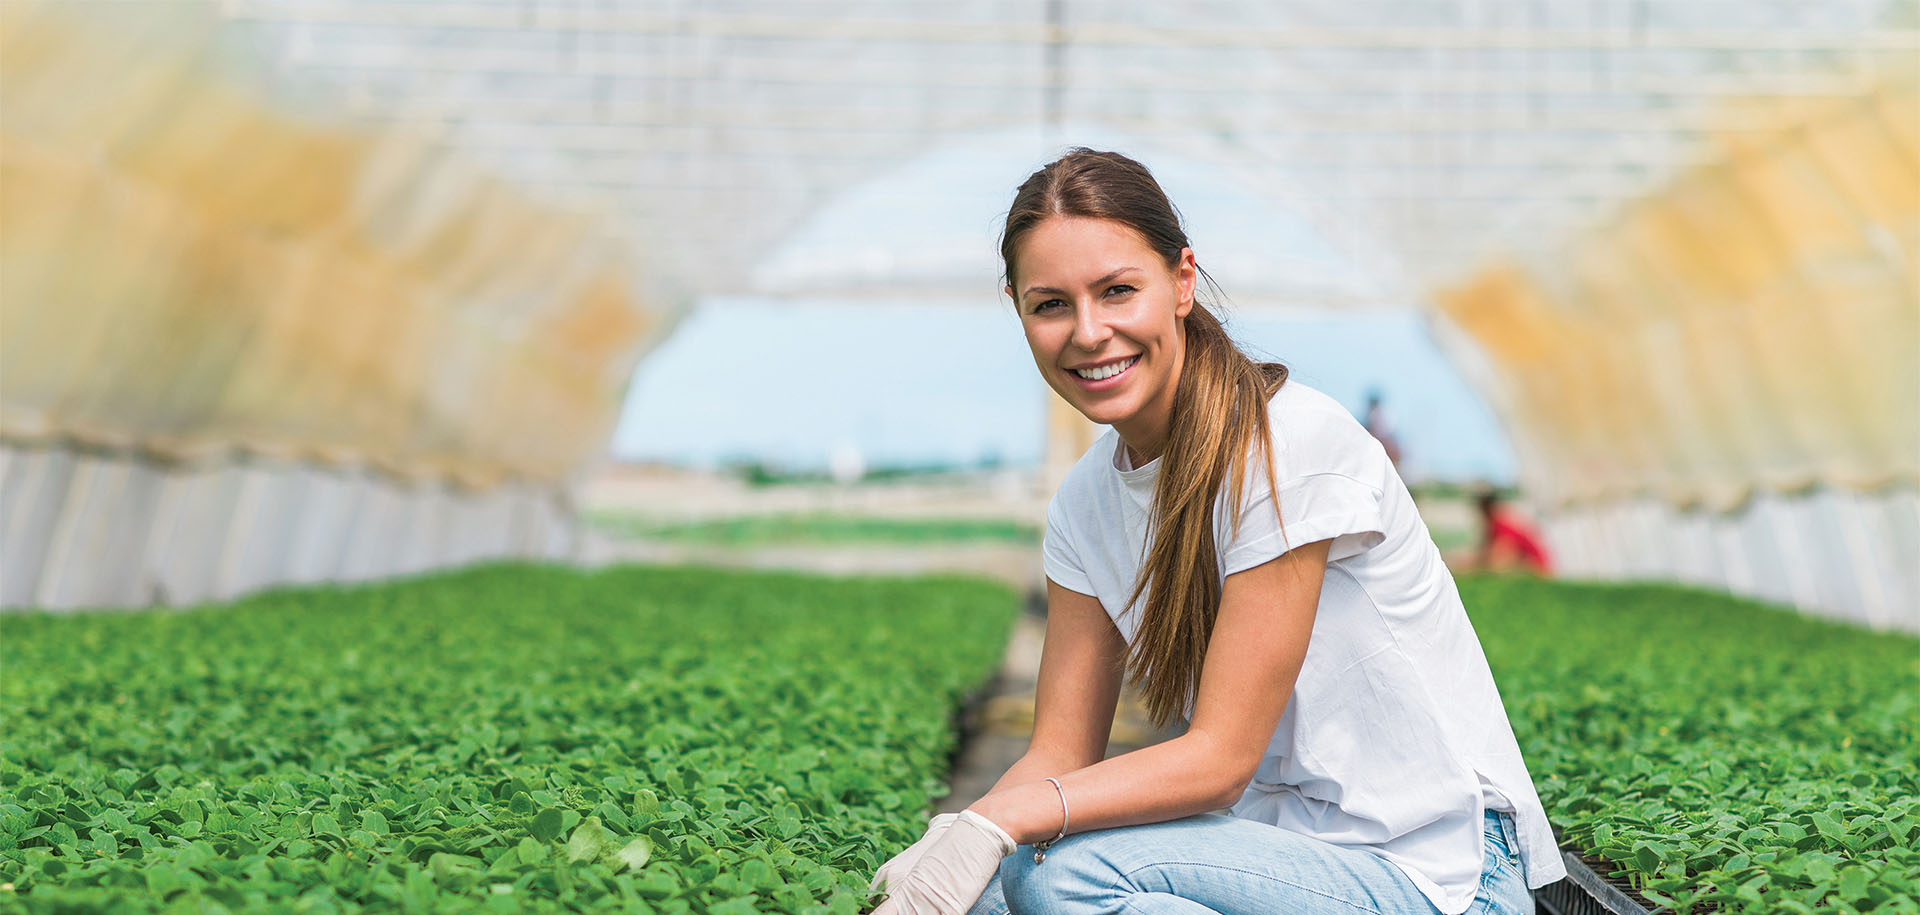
(1219, 413)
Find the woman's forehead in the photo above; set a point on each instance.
(1083, 247)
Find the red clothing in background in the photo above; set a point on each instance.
(1507, 535)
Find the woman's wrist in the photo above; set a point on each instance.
(1029, 812)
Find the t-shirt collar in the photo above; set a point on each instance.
(1139, 479)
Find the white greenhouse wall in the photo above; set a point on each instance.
(1834, 553)
(87, 529)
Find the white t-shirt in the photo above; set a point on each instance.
(1394, 739)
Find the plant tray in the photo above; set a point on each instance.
(1585, 892)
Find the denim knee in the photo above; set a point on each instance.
(992, 900)
(1077, 878)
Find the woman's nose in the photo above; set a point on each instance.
(1089, 329)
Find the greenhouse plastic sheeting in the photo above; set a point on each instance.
(1832, 552)
(1752, 327)
(191, 271)
(1722, 384)
(87, 530)
(398, 243)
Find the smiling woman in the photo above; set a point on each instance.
(1242, 550)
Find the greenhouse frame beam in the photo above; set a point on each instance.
(1037, 33)
(665, 120)
(619, 173)
(829, 142)
(1426, 77)
(859, 163)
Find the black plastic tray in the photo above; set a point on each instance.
(1586, 893)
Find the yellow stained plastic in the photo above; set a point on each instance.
(190, 268)
(1752, 325)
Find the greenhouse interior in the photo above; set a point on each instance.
(579, 455)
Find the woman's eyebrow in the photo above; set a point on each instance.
(1052, 291)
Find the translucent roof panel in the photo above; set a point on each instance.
(1412, 138)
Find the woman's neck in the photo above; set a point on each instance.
(1136, 457)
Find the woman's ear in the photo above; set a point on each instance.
(1186, 275)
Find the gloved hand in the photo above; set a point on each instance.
(955, 868)
(900, 864)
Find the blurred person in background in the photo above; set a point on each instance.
(1291, 611)
(1375, 421)
(1507, 542)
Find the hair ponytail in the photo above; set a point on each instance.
(1219, 416)
(1219, 420)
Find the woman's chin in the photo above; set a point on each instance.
(1100, 413)
(1100, 416)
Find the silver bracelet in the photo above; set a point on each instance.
(1040, 848)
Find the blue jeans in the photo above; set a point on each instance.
(1220, 865)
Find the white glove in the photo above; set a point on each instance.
(953, 871)
(900, 864)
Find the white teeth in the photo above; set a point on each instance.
(1105, 371)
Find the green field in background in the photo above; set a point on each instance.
(770, 530)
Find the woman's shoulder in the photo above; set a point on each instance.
(1312, 433)
(1297, 398)
(1302, 415)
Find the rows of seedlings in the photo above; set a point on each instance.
(1712, 754)
(505, 738)
(522, 737)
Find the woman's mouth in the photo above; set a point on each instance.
(1104, 375)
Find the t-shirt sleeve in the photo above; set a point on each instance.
(1057, 555)
(1325, 494)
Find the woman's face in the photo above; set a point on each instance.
(1095, 300)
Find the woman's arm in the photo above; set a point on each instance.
(1258, 645)
(1079, 686)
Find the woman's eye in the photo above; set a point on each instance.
(1121, 289)
(1043, 306)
